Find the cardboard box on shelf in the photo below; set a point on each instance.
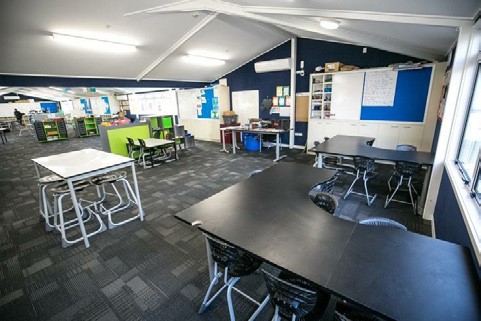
(228, 113)
(349, 68)
(332, 66)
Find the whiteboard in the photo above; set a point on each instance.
(188, 101)
(346, 95)
(379, 88)
(246, 105)
(157, 103)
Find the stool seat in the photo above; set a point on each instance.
(63, 188)
(108, 178)
(50, 179)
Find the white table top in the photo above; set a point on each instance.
(154, 142)
(80, 162)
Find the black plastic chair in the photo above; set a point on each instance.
(370, 142)
(383, 222)
(404, 174)
(365, 170)
(326, 186)
(295, 298)
(236, 264)
(132, 148)
(325, 201)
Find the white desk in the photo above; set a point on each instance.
(82, 164)
(259, 131)
(151, 143)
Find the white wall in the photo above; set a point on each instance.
(7, 109)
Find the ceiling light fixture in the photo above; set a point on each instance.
(206, 61)
(95, 44)
(329, 24)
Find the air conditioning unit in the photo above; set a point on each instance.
(273, 65)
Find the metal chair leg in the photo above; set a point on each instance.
(369, 198)
(349, 191)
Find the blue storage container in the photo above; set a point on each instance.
(251, 142)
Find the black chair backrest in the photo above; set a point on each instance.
(316, 143)
(328, 185)
(142, 142)
(383, 222)
(237, 261)
(289, 298)
(326, 139)
(156, 132)
(370, 142)
(364, 164)
(131, 141)
(407, 168)
(325, 201)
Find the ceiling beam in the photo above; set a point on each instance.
(300, 24)
(431, 20)
(179, 43)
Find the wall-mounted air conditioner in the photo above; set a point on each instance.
(273, 65)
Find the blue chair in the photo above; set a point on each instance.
(383, 222)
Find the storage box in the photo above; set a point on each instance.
(332, 66)
(348, 68)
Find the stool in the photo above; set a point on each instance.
(59, 193)
(364, 169)
(44, 205)
(111, 179)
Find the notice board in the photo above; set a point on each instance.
(410, 98)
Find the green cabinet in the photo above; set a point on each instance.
(87, 126)
(50, 129)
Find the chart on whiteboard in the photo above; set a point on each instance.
(379, 88)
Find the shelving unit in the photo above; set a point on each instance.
(87, 126)
(51, 129)
(320, 97)
(164, 125)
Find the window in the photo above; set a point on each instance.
(467, 159)
(476, 186)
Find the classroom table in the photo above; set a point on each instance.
(152, 143)
(82, 164)
(259, 131)
(396, 274)
(350, 146)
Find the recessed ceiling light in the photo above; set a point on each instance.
(329, 24)
(205, 61)
(95, 44)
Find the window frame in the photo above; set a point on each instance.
(467, 179)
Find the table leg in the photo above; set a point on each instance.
(78, 214)
(319, 160)
(234, 142)
(137, 195)
(223, 142)
(278, 145)
(175, 151)
(424, 191)
(210, 261)
(260, 143)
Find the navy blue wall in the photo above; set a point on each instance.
(314, 53)
(448, 221)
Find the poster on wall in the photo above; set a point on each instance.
(87, 107)
(379, 88)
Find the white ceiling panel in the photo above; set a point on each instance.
(241, 30)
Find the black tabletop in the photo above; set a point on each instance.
(395, 273)
(356, 146)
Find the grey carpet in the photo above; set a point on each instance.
(151, 270)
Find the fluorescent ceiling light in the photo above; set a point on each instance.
(329, 24)
(96, 44)
(206, 61)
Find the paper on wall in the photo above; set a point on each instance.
(379, 88)
(285, 111)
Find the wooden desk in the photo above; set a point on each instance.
(398, 274)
